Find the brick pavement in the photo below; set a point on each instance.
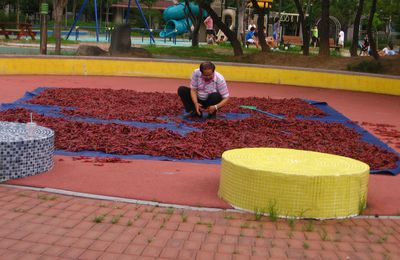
(38, 225)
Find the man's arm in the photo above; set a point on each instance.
(214, 108)
(193, 95)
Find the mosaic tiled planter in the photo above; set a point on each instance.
(24, 152)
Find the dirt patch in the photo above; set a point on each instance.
(390, 64)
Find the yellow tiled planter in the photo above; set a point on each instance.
(294, 183)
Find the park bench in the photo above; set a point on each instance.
(296, 40)
(292, 40)
(24, 29)
(333, 45)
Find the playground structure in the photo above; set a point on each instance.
(97, 23)
(177, 19)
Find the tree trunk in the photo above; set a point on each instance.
(58, 7)
(324, 36)
(107, 13)
(18, 11)
(241, 6)
(372, 42)
(74, 9)
(304, 29)
(260, 25)
(356, 31)
(237, 47)
(196, 21)
(195, 35)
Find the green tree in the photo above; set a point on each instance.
(58, 8)
(241, 7)
(196, 21)
(29, 7)
(304, 28)
(372, 42)
(356, 31)
(260, 25)
(149, 12)
(324, 29)
(231, 35)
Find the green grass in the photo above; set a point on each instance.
(245, 225)
(309, 226)
(372, 66)
(229, 217)
(292, 223)
(258, 213)
(202, 52)
(116, 219)
(184, 217)
(323, 234)
(170, 211)
(99, 218)
(46, 197)
(273, 211)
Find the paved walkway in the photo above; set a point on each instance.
(37, 225)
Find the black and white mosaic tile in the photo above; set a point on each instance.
(24, 150)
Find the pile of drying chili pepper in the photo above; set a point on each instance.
(153, 106)
(215, 137)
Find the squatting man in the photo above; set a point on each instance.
(208, 92)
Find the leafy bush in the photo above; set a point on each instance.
(369, 66)
(7, 17)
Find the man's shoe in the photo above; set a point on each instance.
(212, 116)
(192, 114)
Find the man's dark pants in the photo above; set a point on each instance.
(184, 94)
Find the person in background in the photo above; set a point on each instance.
(221, 39)
(209, 23)
(387, 51)
(208, 92)
(251, 38)
(276, 31)
(251, 24)
(270, 42)
(365, 46)
(341, 39)
(314, 38)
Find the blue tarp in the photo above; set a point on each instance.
(55, 111)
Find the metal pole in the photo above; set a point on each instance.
(127, 12)
(77, 18)
(97, 20)
(145, 22)
(43, 28)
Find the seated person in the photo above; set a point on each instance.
(387, 51)
(251, 38)
(270, 42)
(221, 39)
(365, 46)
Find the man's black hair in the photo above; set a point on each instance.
(206, 66)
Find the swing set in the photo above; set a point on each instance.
(126, 19)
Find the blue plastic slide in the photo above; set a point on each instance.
(175, 16)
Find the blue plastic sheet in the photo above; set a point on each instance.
(335, 116)
(55, 111)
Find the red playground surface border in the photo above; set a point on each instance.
(196, 184)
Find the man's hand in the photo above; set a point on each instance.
(197, 107)
(211, 109)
